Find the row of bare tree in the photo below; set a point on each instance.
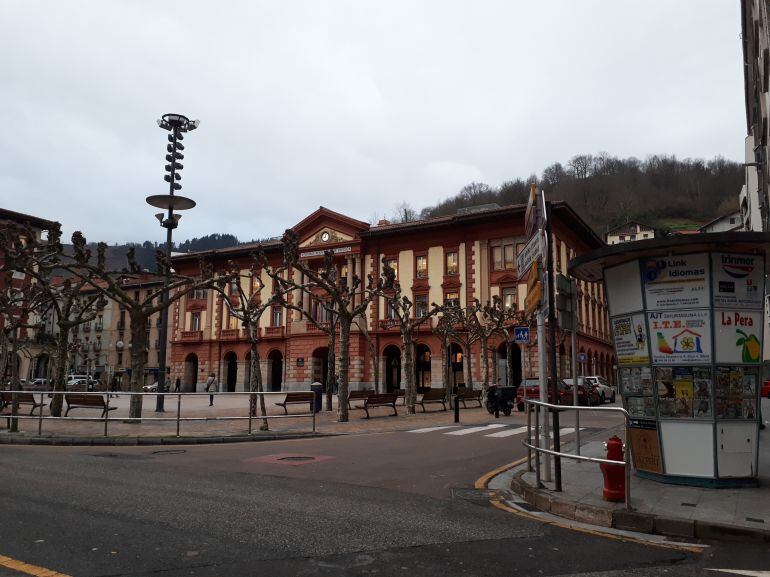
(70, 287)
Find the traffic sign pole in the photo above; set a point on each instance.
(573, 296)
(552, 335)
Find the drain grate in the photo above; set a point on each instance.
(120, 456)
(526, 506)
(689, 505)
(297, 459)
(170, 452)
(755, 520)
(474, 494)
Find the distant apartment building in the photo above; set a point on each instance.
(630, 231)
(455, 258)
(32, 343)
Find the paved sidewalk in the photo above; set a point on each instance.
(677, 510)
(213, 425)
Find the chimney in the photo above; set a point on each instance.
(383, 222)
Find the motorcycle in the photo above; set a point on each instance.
(500, 400)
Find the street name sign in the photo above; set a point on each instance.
(528, 255)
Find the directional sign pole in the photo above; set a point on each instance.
(552, 335)
(573, 296)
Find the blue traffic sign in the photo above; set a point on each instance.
(521, 335)
(581, 357)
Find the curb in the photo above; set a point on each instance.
(152, 441)
(548, 502)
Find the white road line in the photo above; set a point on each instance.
(431, 429)
(474, 430)
(508, 432)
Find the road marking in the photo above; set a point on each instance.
(28, 569)
(508, 432)
(743, 572)
(430, 429)
(474, 430)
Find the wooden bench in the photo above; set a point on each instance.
(433, 396)
(380, 400)
(297, 398)
(358, 396)
(21, 399)
(76, 401)
(464, 394)
(401, 395)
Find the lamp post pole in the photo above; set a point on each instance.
(176, 124)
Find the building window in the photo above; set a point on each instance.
(452, 263)
(199, 294)
(344, 275)
(393, 263)
(277, 316)
(120, 358)
(420, 305)
(256, 283)
(497, 258)
(509, 298)
(421, 266)
(508, 256)
(452, 299)
(232, 321)
(234, 286)
(195, 321)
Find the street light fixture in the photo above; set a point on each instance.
(177, 125)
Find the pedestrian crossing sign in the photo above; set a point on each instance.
(521, 335)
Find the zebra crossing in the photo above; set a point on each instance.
(495, 430)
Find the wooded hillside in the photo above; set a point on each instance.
(606, 190)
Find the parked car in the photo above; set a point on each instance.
(84, 384)
(605, 390)
(153, 388)
(766, 389)
(588, 394)
(38, 385)
(530, 389)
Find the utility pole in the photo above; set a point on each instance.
(552, 336)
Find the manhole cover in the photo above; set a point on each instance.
(296, 458)
(170, 452)
(474, 494)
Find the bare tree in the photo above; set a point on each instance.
(349, 302)
(404, 213)
(460, 325)
(400, 309)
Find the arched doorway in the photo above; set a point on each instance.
(231, 374)
(320, 365)
(422, 366)
(41, 366)
(190, 372)
(275, 361)
(456, 359)
(392, 356)
(502, 365)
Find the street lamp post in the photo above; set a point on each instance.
(177, 125)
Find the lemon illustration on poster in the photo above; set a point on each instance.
(680, 337)
(676, 281)
(738, 336)
(630, 334)
(738, 280)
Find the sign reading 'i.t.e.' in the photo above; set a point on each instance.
(676, 281)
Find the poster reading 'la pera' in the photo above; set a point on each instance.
(738, 335)
(672, 282)
(680, 337)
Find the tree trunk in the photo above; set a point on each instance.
(14, 382)
(467, 367)
(484, 364)
(255, 383)
(408, 370)
(509, 363)
(60, 376)
(375, 365)
(342, 395)
(138, 349)
(331, 373)
(445, 369)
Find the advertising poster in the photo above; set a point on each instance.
(736, 389)
(645, 448)
(683, 391)
(680, 337)
(702, 385)
(738, 280)
(676, 281)
(630, 334)
(738, 336)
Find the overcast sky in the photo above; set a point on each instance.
(352, 105)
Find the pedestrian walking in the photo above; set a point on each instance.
(211, 383)
(177, 384)
(114, 385)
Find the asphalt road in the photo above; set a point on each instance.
(373, 504)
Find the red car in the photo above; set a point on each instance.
(531, 388)
(766, 389)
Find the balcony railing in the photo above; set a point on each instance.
(190, 336)
(311, 328)
(273, 332)
(99, 328)
(86, 328)
(229, 334)
(388, 325)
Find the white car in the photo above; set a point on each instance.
(153, 388)
(603, 387)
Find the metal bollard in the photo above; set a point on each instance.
(178, 411)
(457, 408)
(529, 438)
(106, 415)
(40, 418)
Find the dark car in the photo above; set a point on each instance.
(589, 398)
(766, 389)
(530, 389)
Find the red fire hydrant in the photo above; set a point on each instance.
(614, 475)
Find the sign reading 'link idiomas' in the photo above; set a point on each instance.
(676, 281)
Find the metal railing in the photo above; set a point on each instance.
(527, 442)
(39, 401)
